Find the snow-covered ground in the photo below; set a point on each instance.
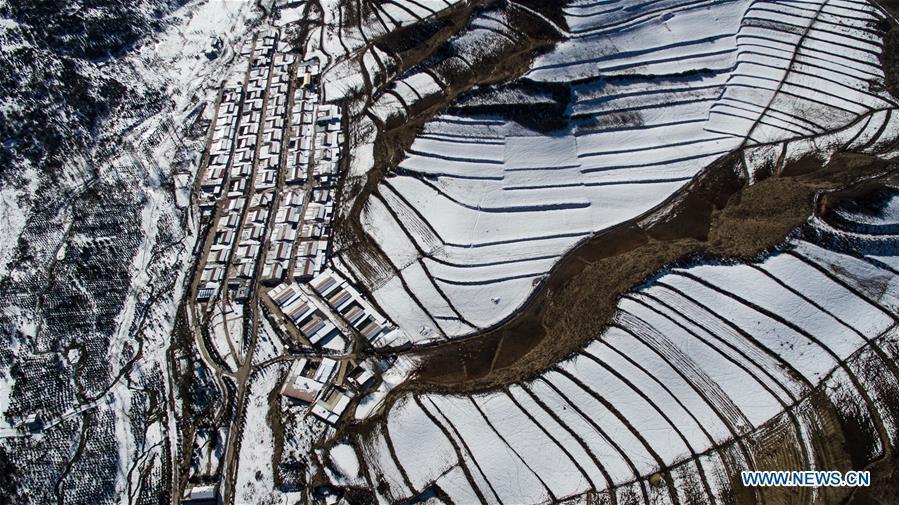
(6, 384)
(482, 207)
(124, 384)
(471, 221)
(255, 477)
(701, 356)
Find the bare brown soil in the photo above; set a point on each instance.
(884, 488)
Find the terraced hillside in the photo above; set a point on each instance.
(681, 131)
(446, 251)
(787, 361)
(629, 106)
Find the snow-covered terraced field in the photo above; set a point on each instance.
(348, 28)
(482, 207)
(697, 369)
(804, 68)
(423, 168)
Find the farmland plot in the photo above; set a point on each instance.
(699, 370)
(484, 204)
(448, 157)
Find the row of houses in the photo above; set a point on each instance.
(284, 235)
(239, 230)
(269, 130)
(267, 167)
(300, 230)
(213, 178)
(233, 141)
(302, 120)
(314, 233)
(329, 304)
(355, 309)
(315, 230)
(328, 142)
(245, 195)
(304, 315)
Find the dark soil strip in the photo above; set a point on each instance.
(678, 357)
(459, 457)
(611, 408)
(727, 344)
(403, 7)
(422, 254)
(655, 407)
(378, 10)
(787, 408)
(889, 363)
(859, 133)
(360, 456)
(520, 458)
(724, 419)
(869, 404)
(423, 6)
(546, 432)
(665, 388)
(459, 159)
(876, 137)
(796, 48)
(396, 460)
(602, 469)
(486, 282)
(424, 267)
(602, 433)
(589, 419)
(743, 333)
(492, 263)
(377, 14)
(399, 276)
(512, 209)
(844, 284)
(419, 217)
(468, 450)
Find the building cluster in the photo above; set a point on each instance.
(284, 234)
(237, 185)
(334, 297)
(303, 315)
(322, 312)
(345, 300)
(327, 141)
(270, 178)
(327, 386)
(308, 154)
(295, 169)
(269, 190)
(302, 124)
